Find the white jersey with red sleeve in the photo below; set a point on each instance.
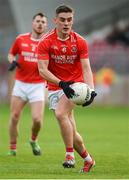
(64, 56)
(25, 47)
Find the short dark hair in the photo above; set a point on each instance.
(64, 8)
(39, 14)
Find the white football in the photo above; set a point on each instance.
(82, 93)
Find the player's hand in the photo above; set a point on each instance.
(69, 92)
(13, 65)
(93, 94)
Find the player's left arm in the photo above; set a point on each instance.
(87, 72)
(85, 62)
(88, 79)
(86, 69)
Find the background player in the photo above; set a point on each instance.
(62, 59)
(29, 85)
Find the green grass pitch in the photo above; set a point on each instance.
(106, 134)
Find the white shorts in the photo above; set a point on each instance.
(53, 97)
(31, 92)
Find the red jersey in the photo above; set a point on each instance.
(64, 56)
(25, 46)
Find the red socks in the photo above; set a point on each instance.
(33, 137)
(13, 145)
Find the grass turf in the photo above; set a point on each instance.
(105, 132)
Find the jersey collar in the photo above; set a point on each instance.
(33, 39)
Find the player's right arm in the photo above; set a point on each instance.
(12, 55)
(13, 50)
(43, 61)
(45, 73)
(11, 58)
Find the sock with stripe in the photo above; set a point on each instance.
(70, 151)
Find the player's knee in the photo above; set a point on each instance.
(15, 117)
(59, 115)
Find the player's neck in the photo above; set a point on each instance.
(62, 36)
(36, 36)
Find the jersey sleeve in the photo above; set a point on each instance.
(15, 47)
(83, 48)
(43, 50)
